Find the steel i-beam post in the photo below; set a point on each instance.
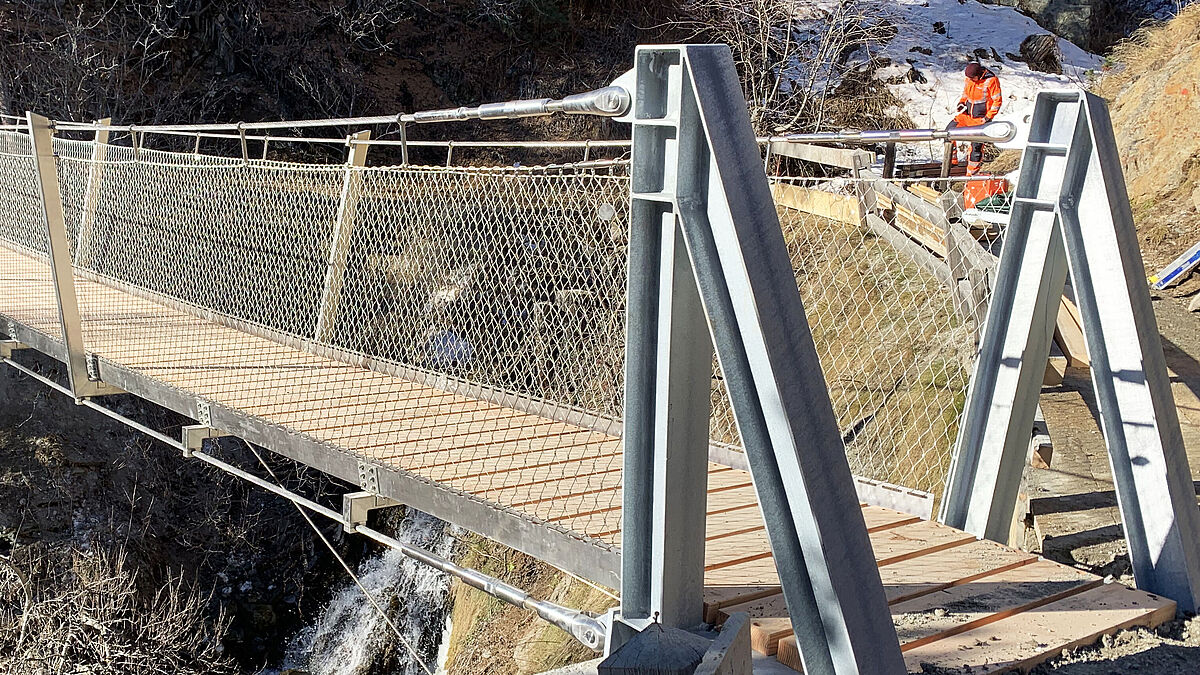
(668, 379)
(1155, 491)
(696, 164)
(59, 252)
(1072, 211)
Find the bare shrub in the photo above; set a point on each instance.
(792, 54)
(81, 611)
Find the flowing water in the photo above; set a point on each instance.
(351, 638)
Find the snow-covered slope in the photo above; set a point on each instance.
(936, 38)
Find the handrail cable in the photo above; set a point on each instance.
(607, 102)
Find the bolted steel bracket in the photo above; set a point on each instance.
(368, 477)
(203, 415)
(96, 386)
(356, 506)
(194, 435)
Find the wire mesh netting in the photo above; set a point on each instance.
(464, 324)
(24, 228)
(896, 348)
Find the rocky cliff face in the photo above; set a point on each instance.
(1096, 25)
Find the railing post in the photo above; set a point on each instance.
(82, 386)
(87, 216)
(889, 161)
(339, 248)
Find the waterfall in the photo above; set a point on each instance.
(351, 638)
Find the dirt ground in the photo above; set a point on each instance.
(1074, 510)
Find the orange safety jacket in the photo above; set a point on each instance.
(982, 98)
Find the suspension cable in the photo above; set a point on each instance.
(610, 101)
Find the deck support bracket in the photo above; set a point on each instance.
(368, 477)
(7, 347)
(708, 267)
(194, 435)
(356, 506)
(1071, 214)
(101, 388)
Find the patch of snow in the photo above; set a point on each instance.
(443, 654)
(951, 31)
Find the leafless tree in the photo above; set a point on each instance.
(792, 54)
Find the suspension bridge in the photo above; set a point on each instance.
(528, 352)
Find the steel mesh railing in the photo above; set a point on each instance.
(896, 355)
(23, 228)
(462, 323)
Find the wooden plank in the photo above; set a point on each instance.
(915, 577)
(718, 597)
(415, 423)
(738, 549)
(919, 229)
(854, 160)
(842, 208)
(1022, 641)
(758, 572)
(444, 462)
(910, 249)
(891, 546)
(967, 606)
(909, 541)
(408, 445)
(741, 505)
(383, 412)
(927, 193)
(567, 483)
(770, 621)
(556, 491)
(553, 464)
(1068, 333)
(954, 571)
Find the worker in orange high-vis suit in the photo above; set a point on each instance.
(980, 103)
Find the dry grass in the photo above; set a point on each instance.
(895, 355)
(490, 636)
(1154, 93)
(75, 610)
(1148, 49)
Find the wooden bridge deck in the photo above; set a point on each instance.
(955, 600)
